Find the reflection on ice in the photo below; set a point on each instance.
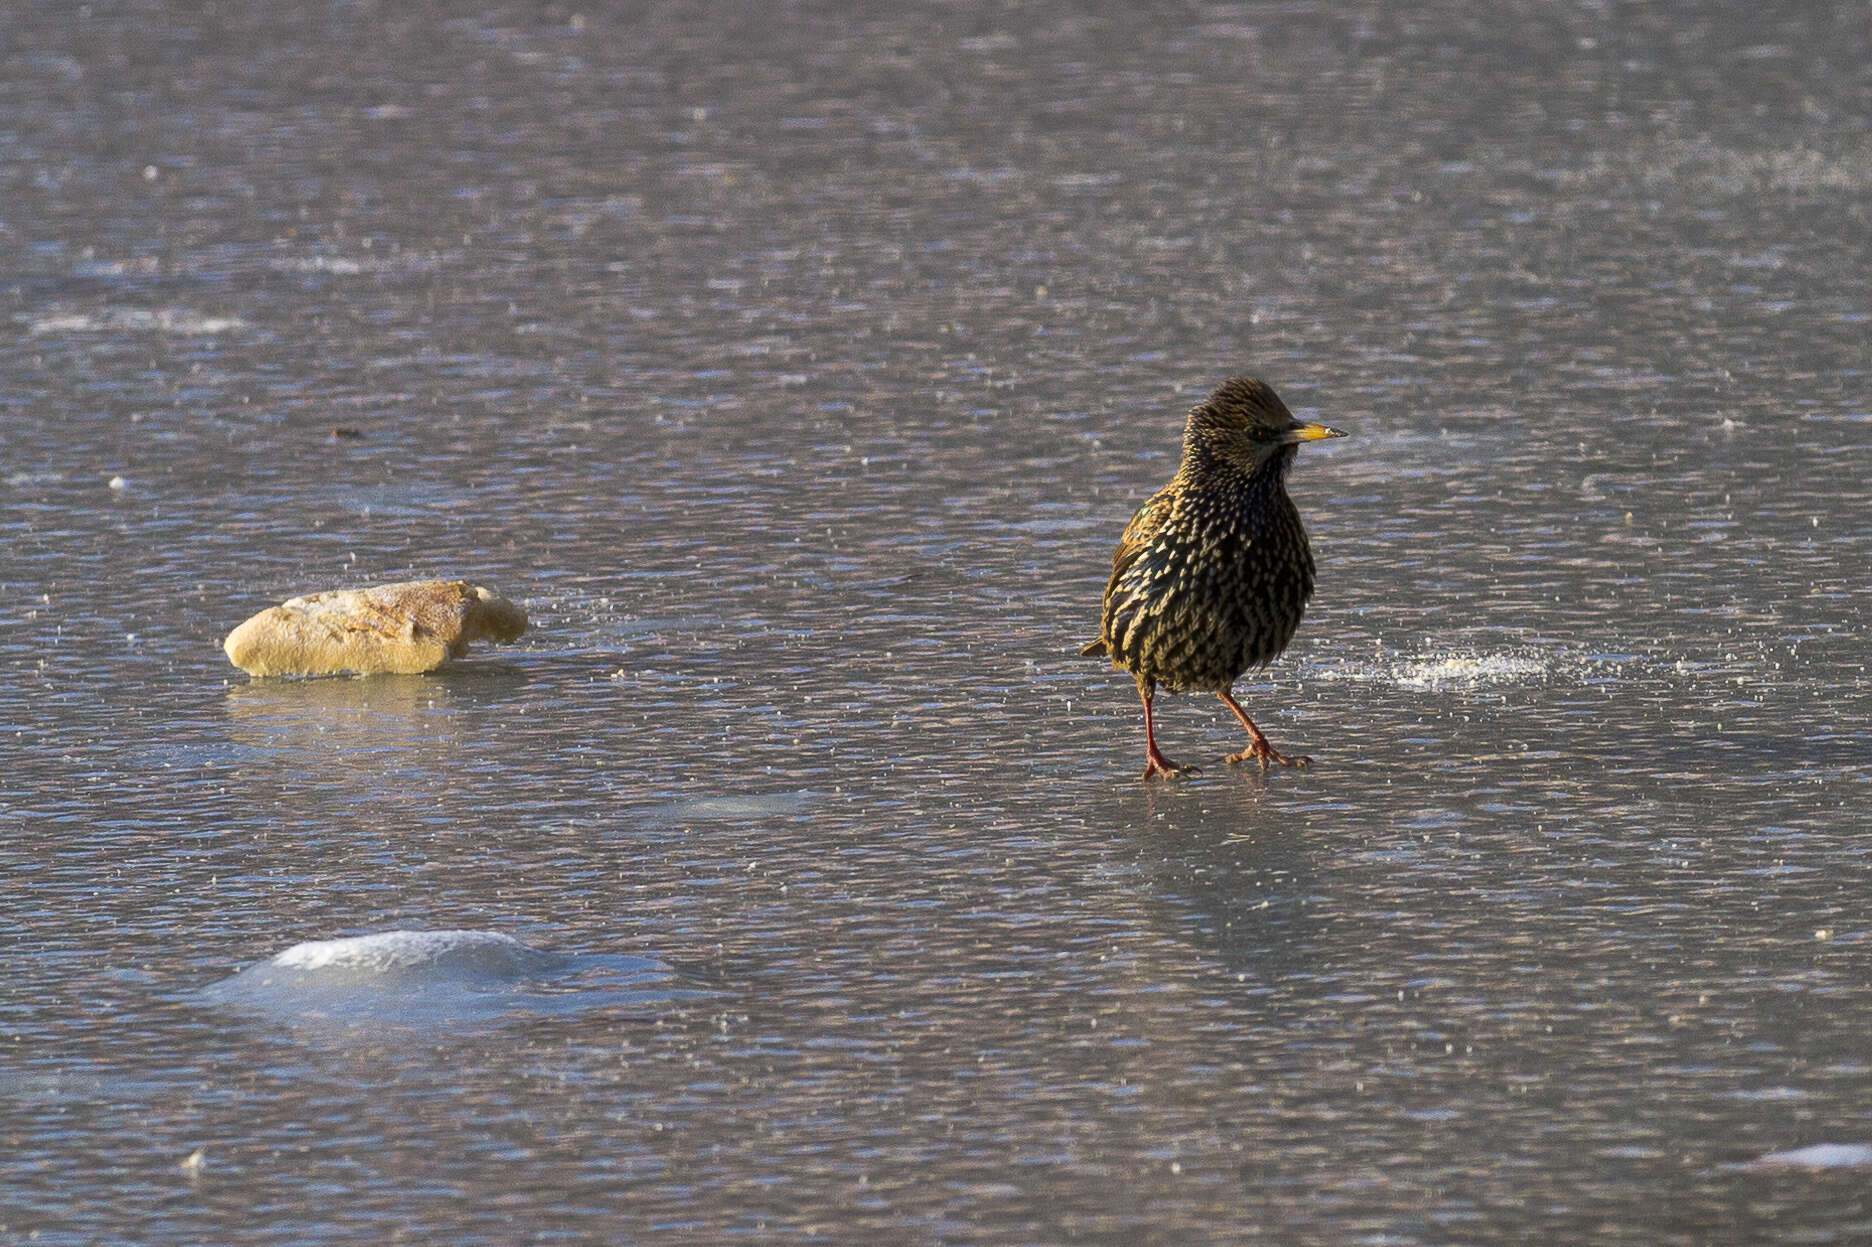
(135, 320)
(1449, 671)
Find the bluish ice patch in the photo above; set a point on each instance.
(732, 808)
(189, 754)
(1819, 1156)
(430, 979)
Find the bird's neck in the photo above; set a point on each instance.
(1204, 461)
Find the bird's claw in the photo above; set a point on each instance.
(1168, 769)
(1268, 756)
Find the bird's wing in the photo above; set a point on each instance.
(1135, 564)
(1138, 533)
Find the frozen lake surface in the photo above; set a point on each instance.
(798, 373)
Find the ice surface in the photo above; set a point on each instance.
(799, 372)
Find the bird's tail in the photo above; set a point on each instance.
(1096, 649)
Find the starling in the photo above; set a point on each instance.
(1213, 573)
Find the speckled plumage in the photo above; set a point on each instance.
(1214, 571)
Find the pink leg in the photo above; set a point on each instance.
(1258, 750)
(1154, 761)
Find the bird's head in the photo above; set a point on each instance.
(1245, 423)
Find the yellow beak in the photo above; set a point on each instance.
(1310, 433)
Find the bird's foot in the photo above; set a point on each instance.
(1264, 753)
(1157, 764)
